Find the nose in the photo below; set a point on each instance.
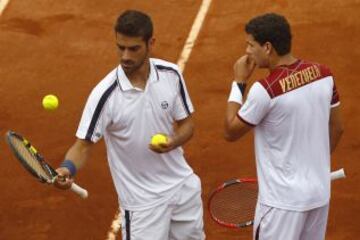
(126, 55)
(247, 50)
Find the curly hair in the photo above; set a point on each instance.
(272, 28)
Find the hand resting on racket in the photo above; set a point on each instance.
(64, 179)
(76, 157)
(38, 167)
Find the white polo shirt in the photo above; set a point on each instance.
(290, 109)
(127, 117)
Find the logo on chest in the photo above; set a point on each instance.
(164, 104)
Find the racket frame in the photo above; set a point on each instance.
(335, 175)
(83, 193)
(31, 149)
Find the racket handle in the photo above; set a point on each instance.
(83, 193)
(338, 174)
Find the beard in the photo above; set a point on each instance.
(130, 66)
(261, 63)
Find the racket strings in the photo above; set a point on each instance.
(235, 203)
(27, 153)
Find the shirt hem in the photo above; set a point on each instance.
(295, 208)
(167, 196)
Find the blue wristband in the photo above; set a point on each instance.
(70, 166)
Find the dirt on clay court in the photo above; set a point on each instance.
(66, 47)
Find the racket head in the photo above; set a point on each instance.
(233, 203)
(30, 158)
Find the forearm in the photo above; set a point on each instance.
(336, 127)
(335, 136)
(183, 132)
(76, 156)
(230, 121)
(234, 128)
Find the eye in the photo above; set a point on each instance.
(121, 48)
(134, 48)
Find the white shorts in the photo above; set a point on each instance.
(180, 218)
(279, 224)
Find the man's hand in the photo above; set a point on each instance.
(243, 68)
(63, 180)
(163, 147)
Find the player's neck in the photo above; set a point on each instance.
(139, 77)
(287, 59)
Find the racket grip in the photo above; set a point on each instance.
(338, 174)
(83, 193)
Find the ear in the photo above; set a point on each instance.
(151, 43)
(268, 48)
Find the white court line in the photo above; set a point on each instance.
(3, 4)
(190, 41)
(184, 57)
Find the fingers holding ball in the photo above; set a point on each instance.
(159, 139)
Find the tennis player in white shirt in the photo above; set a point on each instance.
(294, 112)
(159, 194)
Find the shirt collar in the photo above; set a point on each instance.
(125, 83)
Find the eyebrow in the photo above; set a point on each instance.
(129, 47)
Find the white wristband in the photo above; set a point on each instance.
(235, 94)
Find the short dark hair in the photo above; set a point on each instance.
(272, 28)
(134, 23)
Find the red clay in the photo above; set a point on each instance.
(65, 48)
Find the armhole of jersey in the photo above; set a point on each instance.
(181, 86)
(258, 85)
(98, 110)
(244, 121)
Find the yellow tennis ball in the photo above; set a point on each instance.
(50, 102)
(158, 139)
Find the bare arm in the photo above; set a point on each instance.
(78, 154)
(234, 127)
(336, 127)
(183, 133)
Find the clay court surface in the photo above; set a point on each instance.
(65, 47)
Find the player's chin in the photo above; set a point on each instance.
(128, 68)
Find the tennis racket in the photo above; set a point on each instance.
(233, 203)
(34, 163)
